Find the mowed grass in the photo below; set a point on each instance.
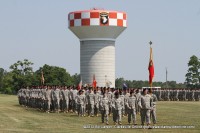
(15, 118)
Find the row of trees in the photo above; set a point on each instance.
(140, 84)
(21, 74)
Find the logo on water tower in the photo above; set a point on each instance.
(104, 18)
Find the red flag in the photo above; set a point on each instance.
(80, 85)
(94, 83)
(151, 68)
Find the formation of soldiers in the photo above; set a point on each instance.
(105, 101)
(177, 94)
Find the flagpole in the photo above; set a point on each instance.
(42, 78)
(151, 85)
(106, 81)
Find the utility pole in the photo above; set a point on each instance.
(166, 78)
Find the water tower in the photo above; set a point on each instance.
(97, 31)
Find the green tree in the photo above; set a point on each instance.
(2, 74)
(193, 74)
(53, 75)
(75, 79)
(22, 74)
(8, 86)
(119, 82)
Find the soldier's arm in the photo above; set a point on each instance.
(121, 102)
(155, 98)
(86, 100)
(135, 103)
(139, 102)
(76, 99)
(100, 103)
(113, 104)
(126, 103)
(61, 95)
(151, 103)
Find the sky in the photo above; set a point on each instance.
(38, 30)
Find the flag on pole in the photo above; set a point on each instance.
(42, 78)
(94, 82)
(151, 67)
(80, 84)
(125, 86)
(108, 84)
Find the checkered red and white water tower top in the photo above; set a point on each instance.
(97, 18)
(97, 24)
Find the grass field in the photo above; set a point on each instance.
(14, 118)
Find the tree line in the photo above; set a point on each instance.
(21, 74)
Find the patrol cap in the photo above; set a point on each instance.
(80, 91)
(116, 93)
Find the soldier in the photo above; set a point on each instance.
(180, 95)
(121, 95)
(73, 96)
(138, 96)
(80, 100)
(41, 98)
(19, 94)
(66, 97)
(110, 97)
(171, 95)
(131, 105)
(168, 95)
(31, 97)
(145, 104)
(104, 106)
(35, 103)
(85, 103)
(48, 98)
(153, 110)
(99, 90)
(126, 96)
(27, 97)
(184, 95)
(24, 97)
(96, 102)
(176, 95)
(163, 94)
(62, 102)
(57, 97)
(52, 108)
(117, 106)
(159, 95)
(193, 95)
(188, 95)
(90, 100)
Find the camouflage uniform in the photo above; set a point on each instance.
(104, 107)
(117, 113)
(153, 110)
(80, 101)
(90, 100)
(131, 105)
(145, 104)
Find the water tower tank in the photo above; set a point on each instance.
(97, 31)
